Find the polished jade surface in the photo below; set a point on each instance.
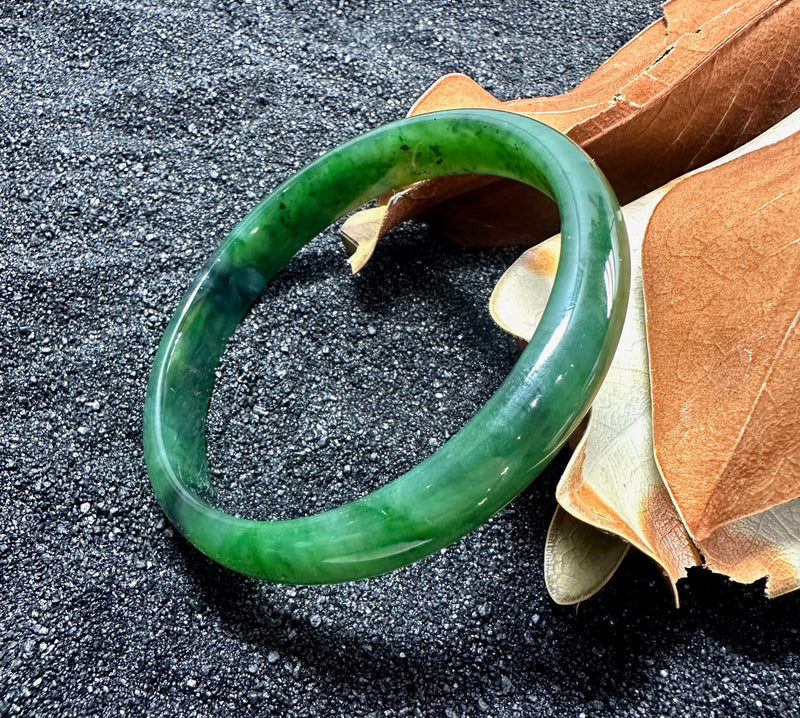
(497, 453)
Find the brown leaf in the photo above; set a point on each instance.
(696, 84)
(613, 481)
(766, 544)
(721, 264)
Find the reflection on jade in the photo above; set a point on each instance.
(497, 453)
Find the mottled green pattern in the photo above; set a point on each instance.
(497, 454)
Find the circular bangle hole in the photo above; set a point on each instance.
(334, 385)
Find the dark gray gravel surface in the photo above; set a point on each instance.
(132, 136)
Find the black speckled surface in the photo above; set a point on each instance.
(132, 137)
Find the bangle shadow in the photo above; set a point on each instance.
(625, 637)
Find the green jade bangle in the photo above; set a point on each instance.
(497, 453)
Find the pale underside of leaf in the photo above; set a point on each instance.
(579, 559)
(519, 298)
(359, 237)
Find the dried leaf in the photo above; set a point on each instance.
(767, 544)
(721, 265)
(579, 559)
(358, 237)
(613, 481)
(519, 297)
(696, 84)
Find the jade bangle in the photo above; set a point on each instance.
(497, 453)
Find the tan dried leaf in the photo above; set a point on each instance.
(721, 264)
(613, 481)
(767, 544)
(701, 81)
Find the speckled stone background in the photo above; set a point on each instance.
(132, 136)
